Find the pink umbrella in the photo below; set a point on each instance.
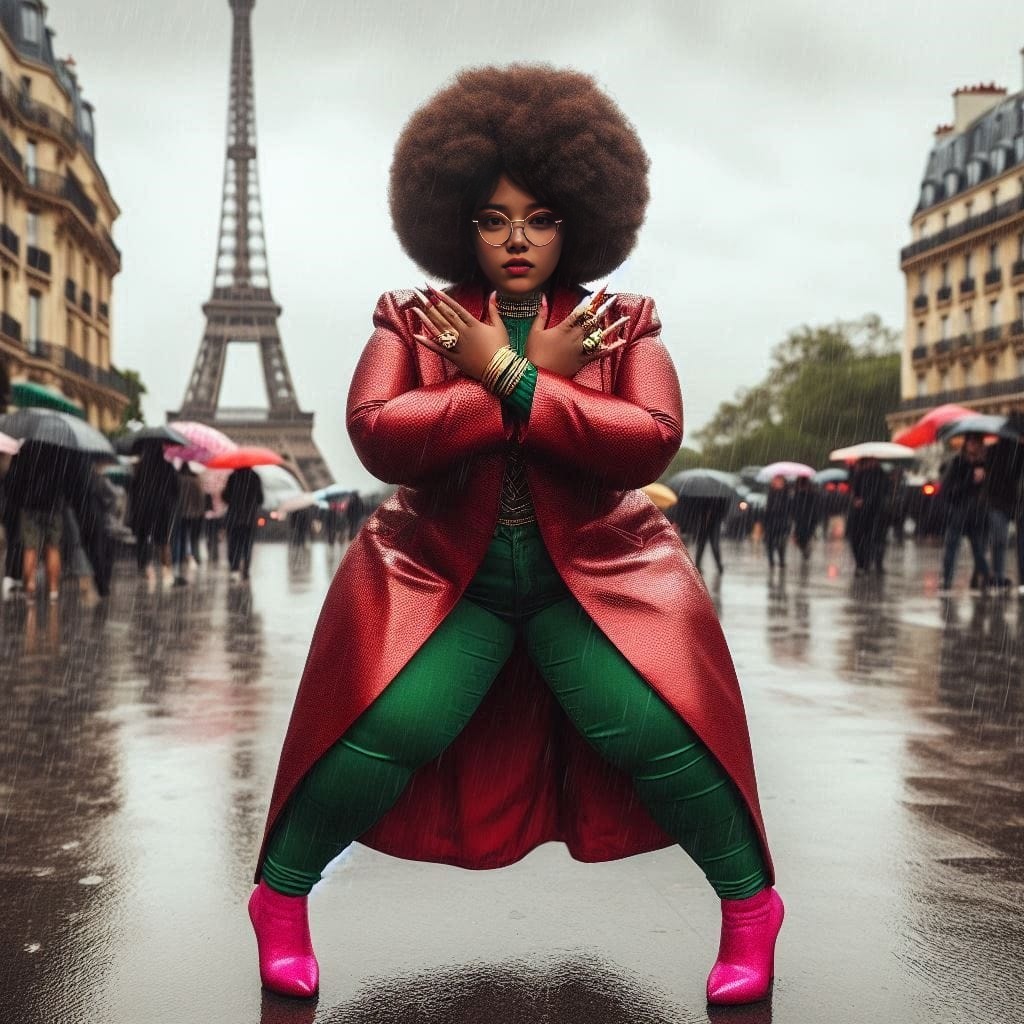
(9, 445)
(206, 442)
(790, 470)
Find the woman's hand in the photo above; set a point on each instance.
(477, 341)
(560, 348)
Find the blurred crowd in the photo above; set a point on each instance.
(65, 517)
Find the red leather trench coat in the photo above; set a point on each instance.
(519, 774)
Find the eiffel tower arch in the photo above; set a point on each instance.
(242, 309)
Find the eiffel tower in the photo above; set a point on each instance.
(242, 309)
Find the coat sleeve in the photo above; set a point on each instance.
(405, 432)
(626, 438)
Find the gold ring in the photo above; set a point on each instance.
(586, 321)
(592, 342)
(447, 339)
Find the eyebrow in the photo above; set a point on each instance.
(504, 209)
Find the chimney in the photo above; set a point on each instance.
(971, 101)
(942, 130)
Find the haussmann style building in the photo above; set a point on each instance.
(57, 258)
(964, 269)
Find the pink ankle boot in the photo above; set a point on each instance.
(287, 963)
(746, 955)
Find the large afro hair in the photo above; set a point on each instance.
(554, 133)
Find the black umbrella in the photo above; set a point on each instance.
(831, 476)
(158, 434)
(56, 428)
(705, 483)
(998, 426)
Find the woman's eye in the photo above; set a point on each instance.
(542, 220)
(491, 221)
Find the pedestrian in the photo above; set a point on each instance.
(806, 513)
(10, 516)
(510, 599)
(188, 522)
(963, 491)
(243, 495)
(778, 520)
(867, 521)
(1004, 493)
(153, 502)
(703, 518)
(355, 512)
(300, 523)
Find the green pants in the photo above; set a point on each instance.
(436, 693)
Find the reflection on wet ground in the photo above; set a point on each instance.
(141, 742)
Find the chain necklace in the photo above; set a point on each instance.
(519, 308)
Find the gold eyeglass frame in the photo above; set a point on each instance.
(512, 229)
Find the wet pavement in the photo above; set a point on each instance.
(141, 741)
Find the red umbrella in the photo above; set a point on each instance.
(925, 429)
(245, 458)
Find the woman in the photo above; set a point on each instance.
(778, 521)
(517, 603)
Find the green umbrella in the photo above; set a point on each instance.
(27, 394)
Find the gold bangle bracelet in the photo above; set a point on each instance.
(515, 377)
(499, 362)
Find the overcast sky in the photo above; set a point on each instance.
(787, 140)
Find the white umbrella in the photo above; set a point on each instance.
(9, 445)
(297, 502)
(884, 451)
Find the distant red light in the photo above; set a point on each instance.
(261, 521)
(844, 488)
(929, 489)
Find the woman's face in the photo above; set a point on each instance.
(518, 266)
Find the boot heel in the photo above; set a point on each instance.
(287, 963)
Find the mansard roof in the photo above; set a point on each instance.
(986, 148)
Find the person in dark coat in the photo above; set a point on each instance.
(154, 500)
(1004, 462)
(243, 496)
(355, 513)
(10, 516)
(778, 520)
(703, 518)
(189, 522)
(806, 513)
(964, 492)
(867, 522)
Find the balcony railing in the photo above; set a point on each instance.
(920, 303)
(967, 286)
(38, 259)
(104, 310)
(70, 290)
(964, 340)
(943, 346)
(997, 389)
(1016, 328)
(38, 113)
(992, 333)
(944, 294)
(113, 380)
(63, 187)
(10, 327)
(10, 152)
(1018, 268)
(87, 303)
(919, 352)
(965, 227)
(993, 276)
(9, 240)
(40, 349)
(76, 364)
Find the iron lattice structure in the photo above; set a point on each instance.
(242, 309)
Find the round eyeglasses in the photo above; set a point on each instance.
(496, 229)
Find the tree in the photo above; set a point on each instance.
(826, 387)
(133, 410)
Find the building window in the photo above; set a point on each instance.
(945, 275)
(995, 196)
(968, 320)
(993, 256)
(35, 317)
(922, 278)
(969, 375)
(31, 162)
(1020, 246)
(922, 387)
(944, 334)
(944, 379)
(967, 264)
(920, 333)
(1020, 364)
(32, 227)
(69, 340)
(968, 208)
(31, 24)
(945, 218)
(6, 285)
(993, 313)
(1020, 305)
